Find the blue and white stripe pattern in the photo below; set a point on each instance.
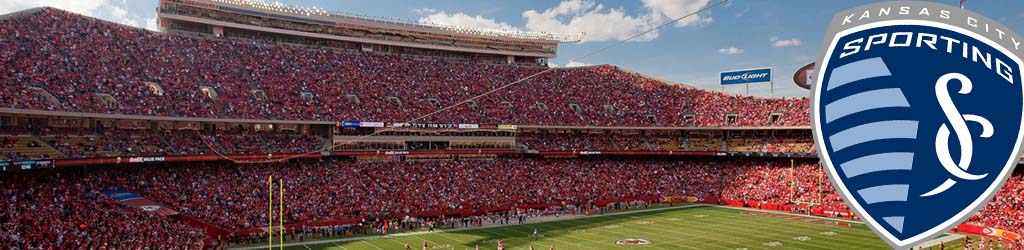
(842, 141)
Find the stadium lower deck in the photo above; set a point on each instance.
(221, 205)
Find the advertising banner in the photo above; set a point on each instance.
(134, 200)
(25, 165)
(988, 231)
(350, 124)
(507, 127)
(371, 124)
(746, 76)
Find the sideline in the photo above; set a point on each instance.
(936, 241)
(534, 221)
(785, 213)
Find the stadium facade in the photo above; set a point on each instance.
(250, 19)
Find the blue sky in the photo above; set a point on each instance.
(783, 34)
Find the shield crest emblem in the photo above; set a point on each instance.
(917, 112)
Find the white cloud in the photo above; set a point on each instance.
(784, 42)
(151, 24)
(111, 10)
(120, 15)
(742, 12)
(85, 7)
(463, 20)
(730, 51)
(571, 63)
(576, 64)
(666, 10)
(423, 11)
(599, 22)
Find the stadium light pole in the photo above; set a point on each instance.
(270, 212)
(280, 217)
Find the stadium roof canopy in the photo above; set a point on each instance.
(339, 16)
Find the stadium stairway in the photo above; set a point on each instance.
(212, 231)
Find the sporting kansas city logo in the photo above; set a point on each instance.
(917, 113)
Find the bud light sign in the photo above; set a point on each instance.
(747, 76)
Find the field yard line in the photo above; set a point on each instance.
(553, 221)
(552, 239)
(336, 244)
(565, 218)
(785, 213)
(696, 238)
(728, 228)
(780, 221)
(442, 235)
(799, 225)
(930, 243)
(845, 237)
(434, 243)
(307, 247)
(720, 234)
(371, 244)
(869, 233)
(629, 236)
(601, 229)
(403, 244)
(866, 233)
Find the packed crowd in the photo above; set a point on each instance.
(1006, 210)
(54, 60)
(780, 182)
(341, 189)
(231, 196)
(337, 189)
(67, 211)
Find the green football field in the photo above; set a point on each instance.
(699, 227)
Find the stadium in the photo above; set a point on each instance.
(244, 124)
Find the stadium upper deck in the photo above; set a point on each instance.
(251, 19)
(58, 61)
